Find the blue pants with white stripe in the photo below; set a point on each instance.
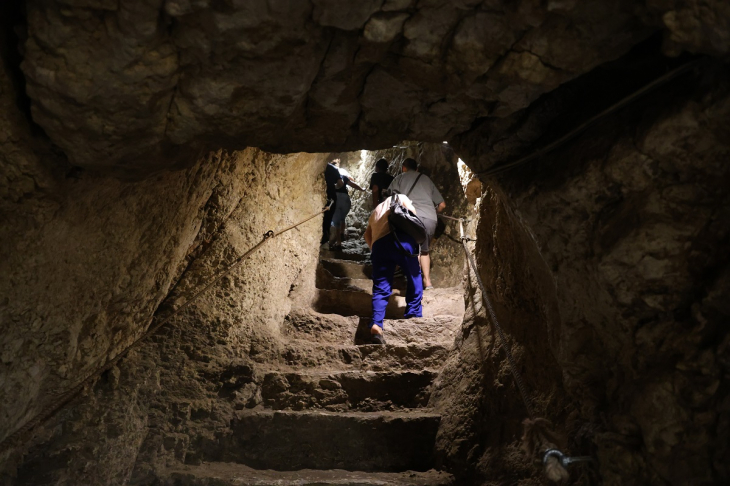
(385, 256)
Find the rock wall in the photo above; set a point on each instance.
(629, 222)
(139, 86)
(132, 412)
(482, 411)
(88, 259)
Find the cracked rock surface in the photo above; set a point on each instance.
(136, 87)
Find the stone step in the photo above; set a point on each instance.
(300, 353)
(325, 280)
(432, 330)
(307, 324)
(347, 269)
(350, 254)
(288, 441)
(436, 302)
(355, 303)
(231, 474)
(348, 390)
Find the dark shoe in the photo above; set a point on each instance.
(377, 339)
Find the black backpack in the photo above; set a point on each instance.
(403, 219)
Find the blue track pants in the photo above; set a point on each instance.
(385, 256)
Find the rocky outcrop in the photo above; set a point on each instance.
(136, 87)
(629, 219)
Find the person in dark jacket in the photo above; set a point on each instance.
(343, 205)
(334, 181)
(379, 181)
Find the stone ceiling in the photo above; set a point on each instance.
(136, 86)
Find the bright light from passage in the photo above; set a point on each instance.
(363, 154)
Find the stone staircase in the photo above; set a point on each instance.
(336, 410)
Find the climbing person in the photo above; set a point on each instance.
(380, 180)
(343, 205)
(387, 251)
(428, 201)
(333, 181)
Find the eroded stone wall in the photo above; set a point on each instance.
(140, 86)
(87, 259)
(139, 409)
(629, 223)
(482, 411)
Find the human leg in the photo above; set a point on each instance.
(425, 258)
(425, 261)
(327, 223)
(347, 205)
(338, 217)
(412, 272)
(382, 275)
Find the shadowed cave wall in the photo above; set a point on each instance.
(607, 264)
(606, 259)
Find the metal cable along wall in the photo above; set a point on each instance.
(22, 434)
(551, 458)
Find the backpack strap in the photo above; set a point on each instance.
(408, 194)
(399, 244)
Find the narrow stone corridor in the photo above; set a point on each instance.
(147, 145)
(336, 410)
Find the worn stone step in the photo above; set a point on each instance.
(345, 268)
(325, 280)
(348, 390)
(299, 353)
(288, 440)
(436, 302)
(432, 330)
(350, 254)
(307, 324)
(355, 303)
(231, 474)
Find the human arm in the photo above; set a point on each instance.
(354, 184)
(437, 198)
(339, 183)
(376, 195)
(369, 236)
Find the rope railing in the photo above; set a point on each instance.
(21, 435)
(591, 121)
(503, 340)
(555, 463)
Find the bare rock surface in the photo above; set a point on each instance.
(136, 88)
(627, 222)
(227, 474)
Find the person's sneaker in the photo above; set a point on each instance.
(377, 339)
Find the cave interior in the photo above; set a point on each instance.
(157, 326)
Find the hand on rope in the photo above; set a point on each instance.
(62, 399)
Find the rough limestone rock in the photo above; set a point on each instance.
(139, 86)
(630, 221)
